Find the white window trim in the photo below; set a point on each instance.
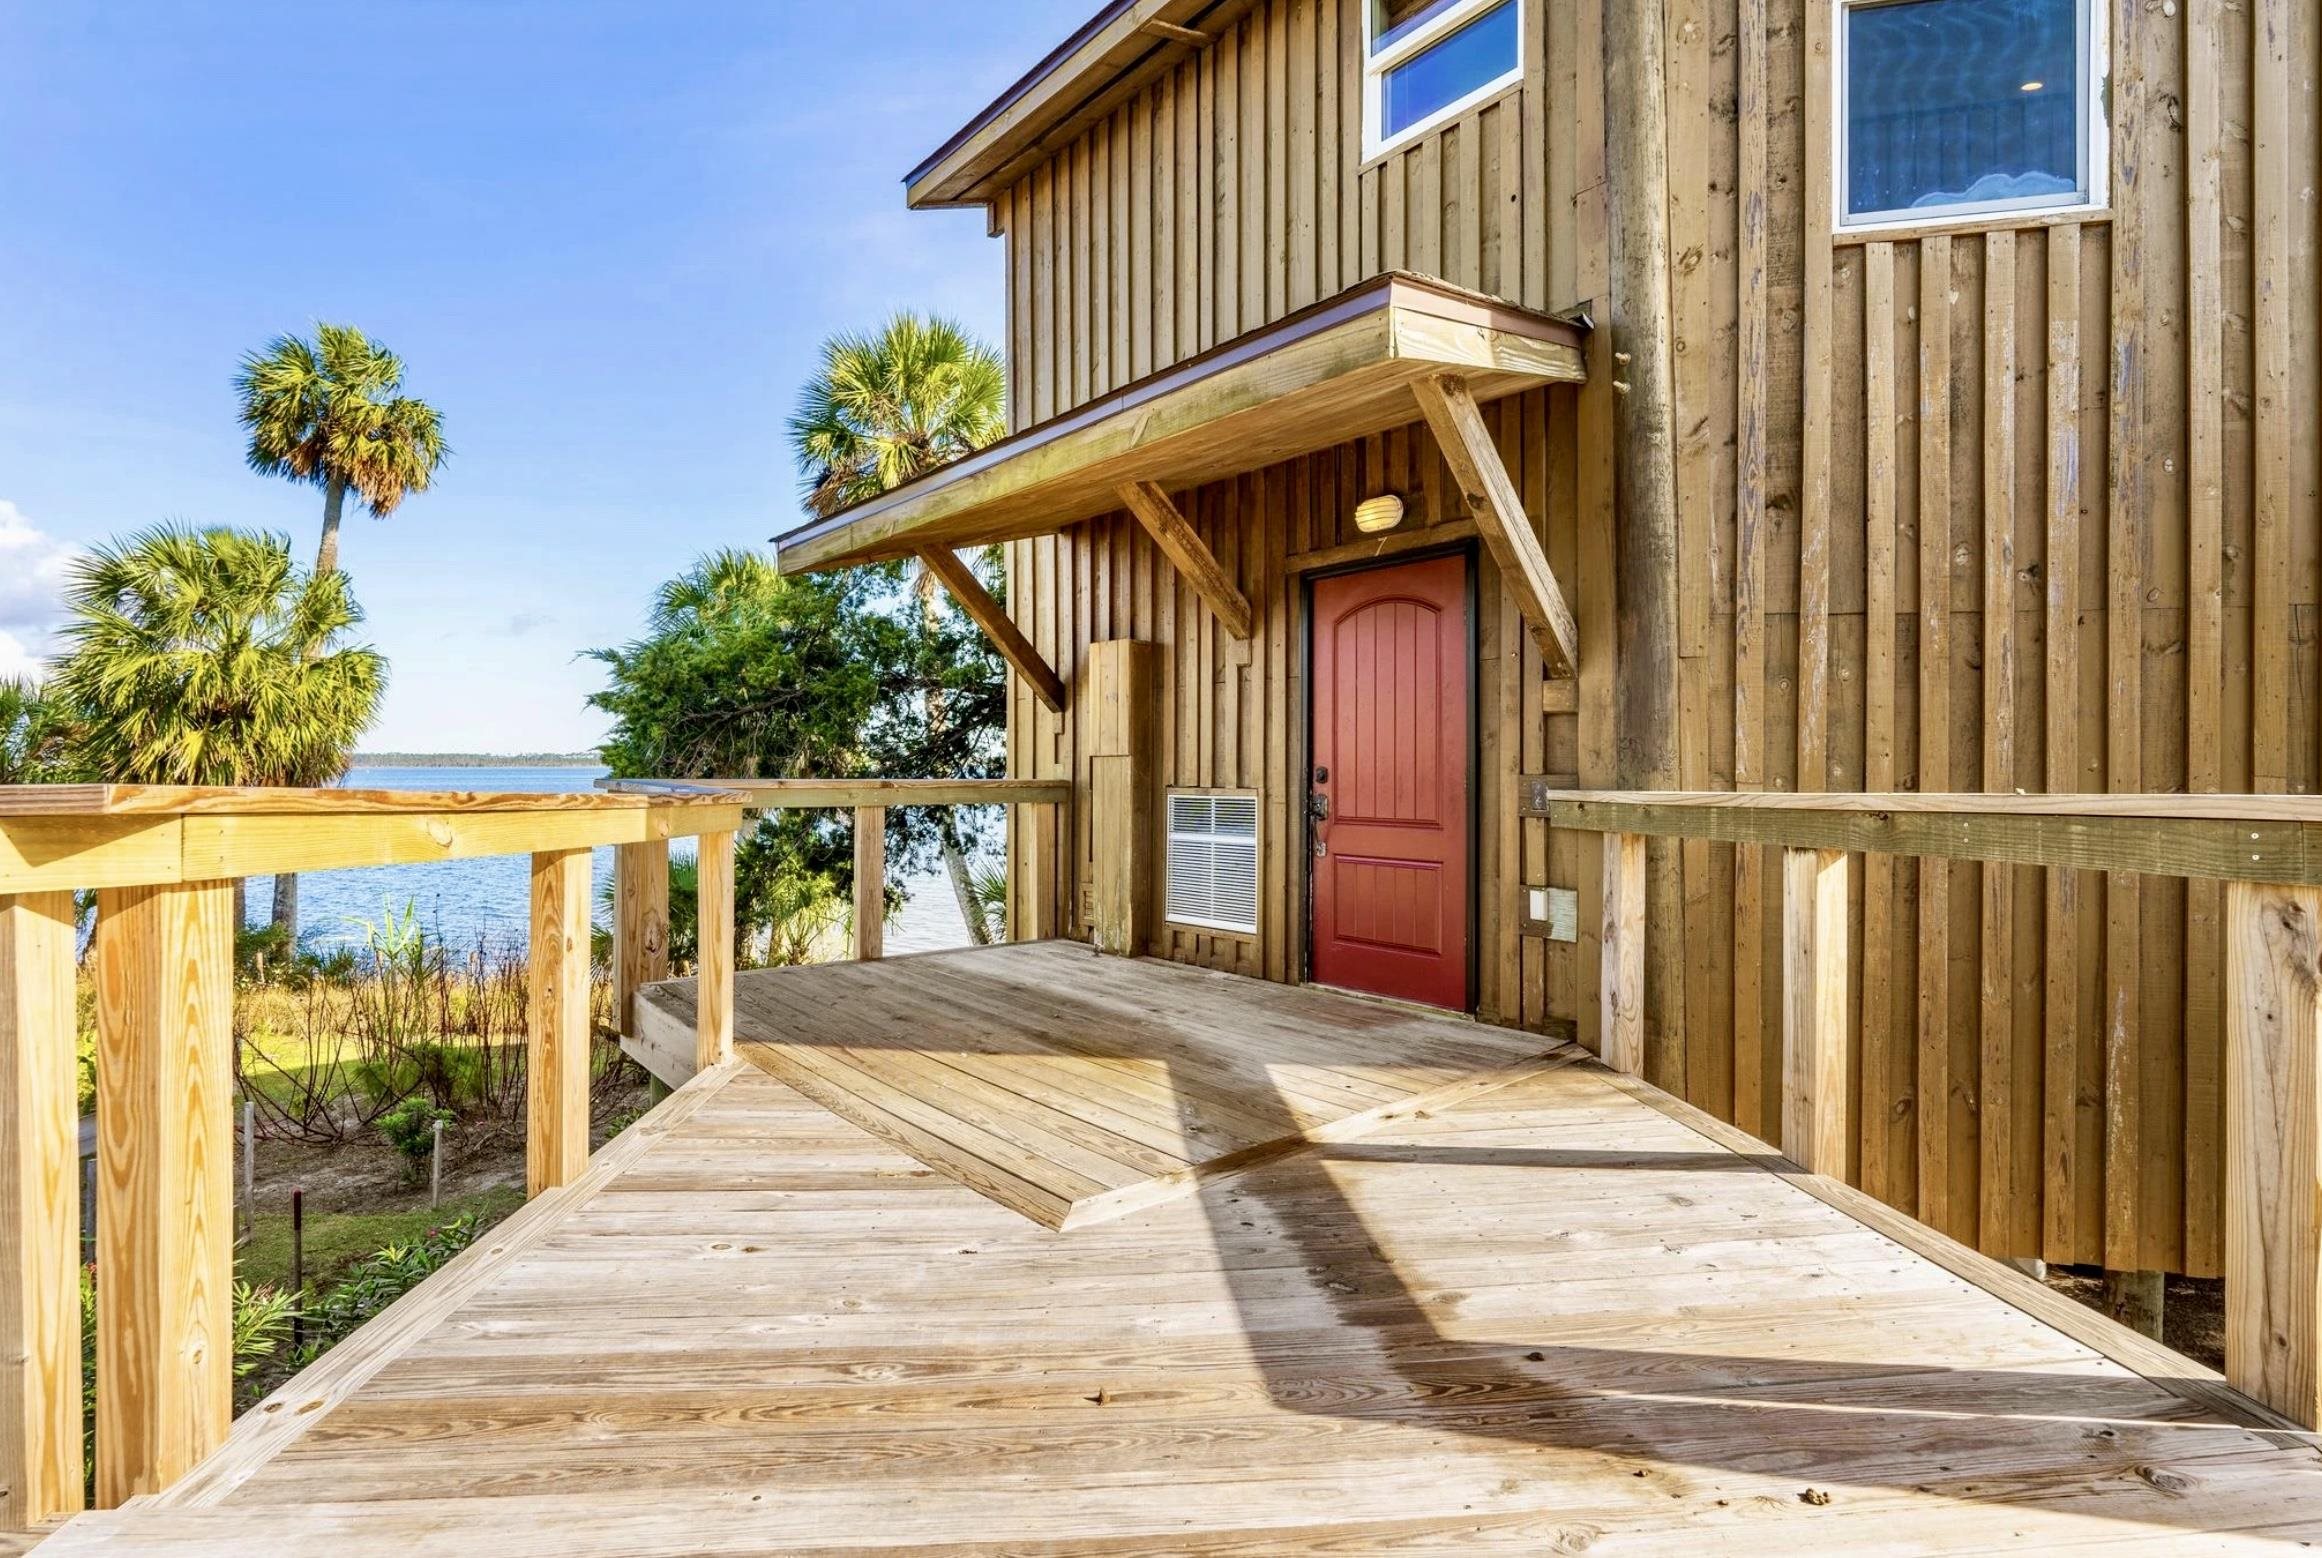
(1257, 851)
(2095, 136)
(1377, 65)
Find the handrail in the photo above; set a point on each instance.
(2267, 849)
(849, 794)
(163, 861)
(2273, 839)
(868, 799)
(65, 838)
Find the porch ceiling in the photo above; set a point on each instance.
(1347, 368)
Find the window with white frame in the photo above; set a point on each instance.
(1968, 107)
(1429, 61)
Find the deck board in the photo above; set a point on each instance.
(1550, 1317)
(1074, 1092)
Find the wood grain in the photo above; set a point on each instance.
(640, 925)
(556, 1142)
(714, 932)
(1818, 1076)
(40, 1213)
(870, 918)
(165, 1197)
(754, 1325)
(2273, 1124)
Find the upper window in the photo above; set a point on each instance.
(1963, 107)
(1432, 60)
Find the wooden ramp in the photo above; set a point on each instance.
(1565, 1316)
(1075, 1091)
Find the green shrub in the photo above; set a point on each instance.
(376, 1281)
(410, 1129)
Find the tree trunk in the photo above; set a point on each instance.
(286, 906)
(326, 557)
(963, 886)
(326, 560)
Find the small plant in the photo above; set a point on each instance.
(376, 1281)
(262, 1319)
(409, 1128)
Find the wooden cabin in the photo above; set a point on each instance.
(1767, 538)
(1475, 399)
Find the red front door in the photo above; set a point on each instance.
(1390, 781)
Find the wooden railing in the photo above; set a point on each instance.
(2267, 849)
(641, 923)
(163, 863)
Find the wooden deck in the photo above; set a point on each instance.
(1076, 1091)
(1562, 1314)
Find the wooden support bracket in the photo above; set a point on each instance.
(993, 618)
(1172, 31)
(1189, 555)
(1491, 496)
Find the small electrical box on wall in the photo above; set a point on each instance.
(1554, 913)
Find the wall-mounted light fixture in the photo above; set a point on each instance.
(1379, 515)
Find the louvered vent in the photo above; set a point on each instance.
(1213, 861)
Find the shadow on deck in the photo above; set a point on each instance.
(1550, 1311)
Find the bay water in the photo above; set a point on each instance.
(463, 904)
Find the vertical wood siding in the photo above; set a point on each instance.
(2028, 506)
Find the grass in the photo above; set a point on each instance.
(336, 1240)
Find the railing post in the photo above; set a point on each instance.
(714, 970)
(2273, 1147)
(640, 924)
(1621, 971)
(870, 883)
(1816, 1077)
(165, 1195)
(40, 1310)
(556, 1146)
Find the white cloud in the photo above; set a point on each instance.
(33, 564)
(16, 660)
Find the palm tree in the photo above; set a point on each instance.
(31, 734)
(887, 407)
(206, 657)
(331, 412)
(883, 409)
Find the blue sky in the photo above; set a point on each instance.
(606, 237)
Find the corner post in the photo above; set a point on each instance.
(640, 924)
(870, 883)
(556, 1148)
(2273, 1147)
(40, 1309)
(1815, 1072)
(1622, 967)
(165, 1183)
(1118, 705)
(714, 970)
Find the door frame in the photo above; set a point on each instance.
(1302, 764)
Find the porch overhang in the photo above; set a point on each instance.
(1348, 368)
